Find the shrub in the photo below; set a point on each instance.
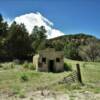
(26, 65)
(24, 77)
(22, 95)
(5, 67)
(84, 65)
(1, 66)
(11, 65)
(31, 66)
(67, 67)
(8, 66)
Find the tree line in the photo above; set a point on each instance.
(17, 43)
(78, 46)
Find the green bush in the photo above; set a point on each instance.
(31, 66)
(22, 95)
(67, 67)
(1, 66)
(84, 65)
(8, 66)
(26, 65)
(11, 66)
(24, 77)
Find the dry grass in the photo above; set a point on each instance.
(11, 78)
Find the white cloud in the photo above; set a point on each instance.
(32, 19)
(8, 20)
(55, 33)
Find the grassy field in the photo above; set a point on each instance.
(18, 80)
(90, 72)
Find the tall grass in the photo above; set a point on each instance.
(14, 79)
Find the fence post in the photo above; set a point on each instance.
(79, 73)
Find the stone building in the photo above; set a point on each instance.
(49, 60)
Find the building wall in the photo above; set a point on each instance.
(35, 61)
(50, 54)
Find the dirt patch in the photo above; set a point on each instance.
(50, 95)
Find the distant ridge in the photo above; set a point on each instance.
(77, 35)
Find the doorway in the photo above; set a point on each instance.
(51, 66)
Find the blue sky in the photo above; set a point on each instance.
(70, 16)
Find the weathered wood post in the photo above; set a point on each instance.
(79, 73)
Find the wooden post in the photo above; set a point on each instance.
(79, 73)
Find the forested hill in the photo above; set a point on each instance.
(77, 46)
(80, 38)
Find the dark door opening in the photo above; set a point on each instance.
(51, 66)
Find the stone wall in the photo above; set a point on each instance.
(50, 54)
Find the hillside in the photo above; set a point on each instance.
(77, 35)
(71, 44)
(80, 38)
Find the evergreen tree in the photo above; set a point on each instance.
(18, 41)
(3, 34)
(71, 51)
(38, 38)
